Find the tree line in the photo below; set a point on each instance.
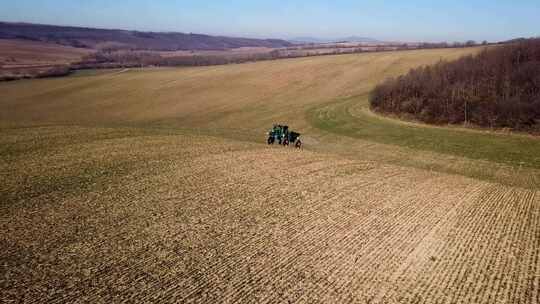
(498, 88)
(117, 55)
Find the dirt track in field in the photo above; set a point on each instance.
(205, 220)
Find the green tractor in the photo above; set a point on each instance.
(284, 136)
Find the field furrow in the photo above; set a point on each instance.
(156, 186)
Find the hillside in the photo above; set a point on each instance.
(312, 93)
(26, 58)
(315, 40)
(498, 88)
(98, 38)
(157, 185)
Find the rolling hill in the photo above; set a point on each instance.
(157, 41)
(157, 185)
(314, 40)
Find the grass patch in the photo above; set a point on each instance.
(513, 150)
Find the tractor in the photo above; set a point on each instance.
(284, 136)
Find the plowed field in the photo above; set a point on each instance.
(115, 191)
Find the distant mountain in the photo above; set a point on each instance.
(360, 39)
(515, 40)
(301, 40)
(159, 41)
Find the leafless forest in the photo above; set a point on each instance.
(498, 88)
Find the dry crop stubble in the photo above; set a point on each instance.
(207, 219)
(132, 202)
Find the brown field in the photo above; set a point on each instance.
(236, 51)
(20, 53)
(155, 185)
(31, 57)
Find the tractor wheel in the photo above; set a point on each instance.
(298, 144)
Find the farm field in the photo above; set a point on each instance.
(156, 185)
(23, 57)
(22, 53)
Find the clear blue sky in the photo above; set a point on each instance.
(415, 20)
